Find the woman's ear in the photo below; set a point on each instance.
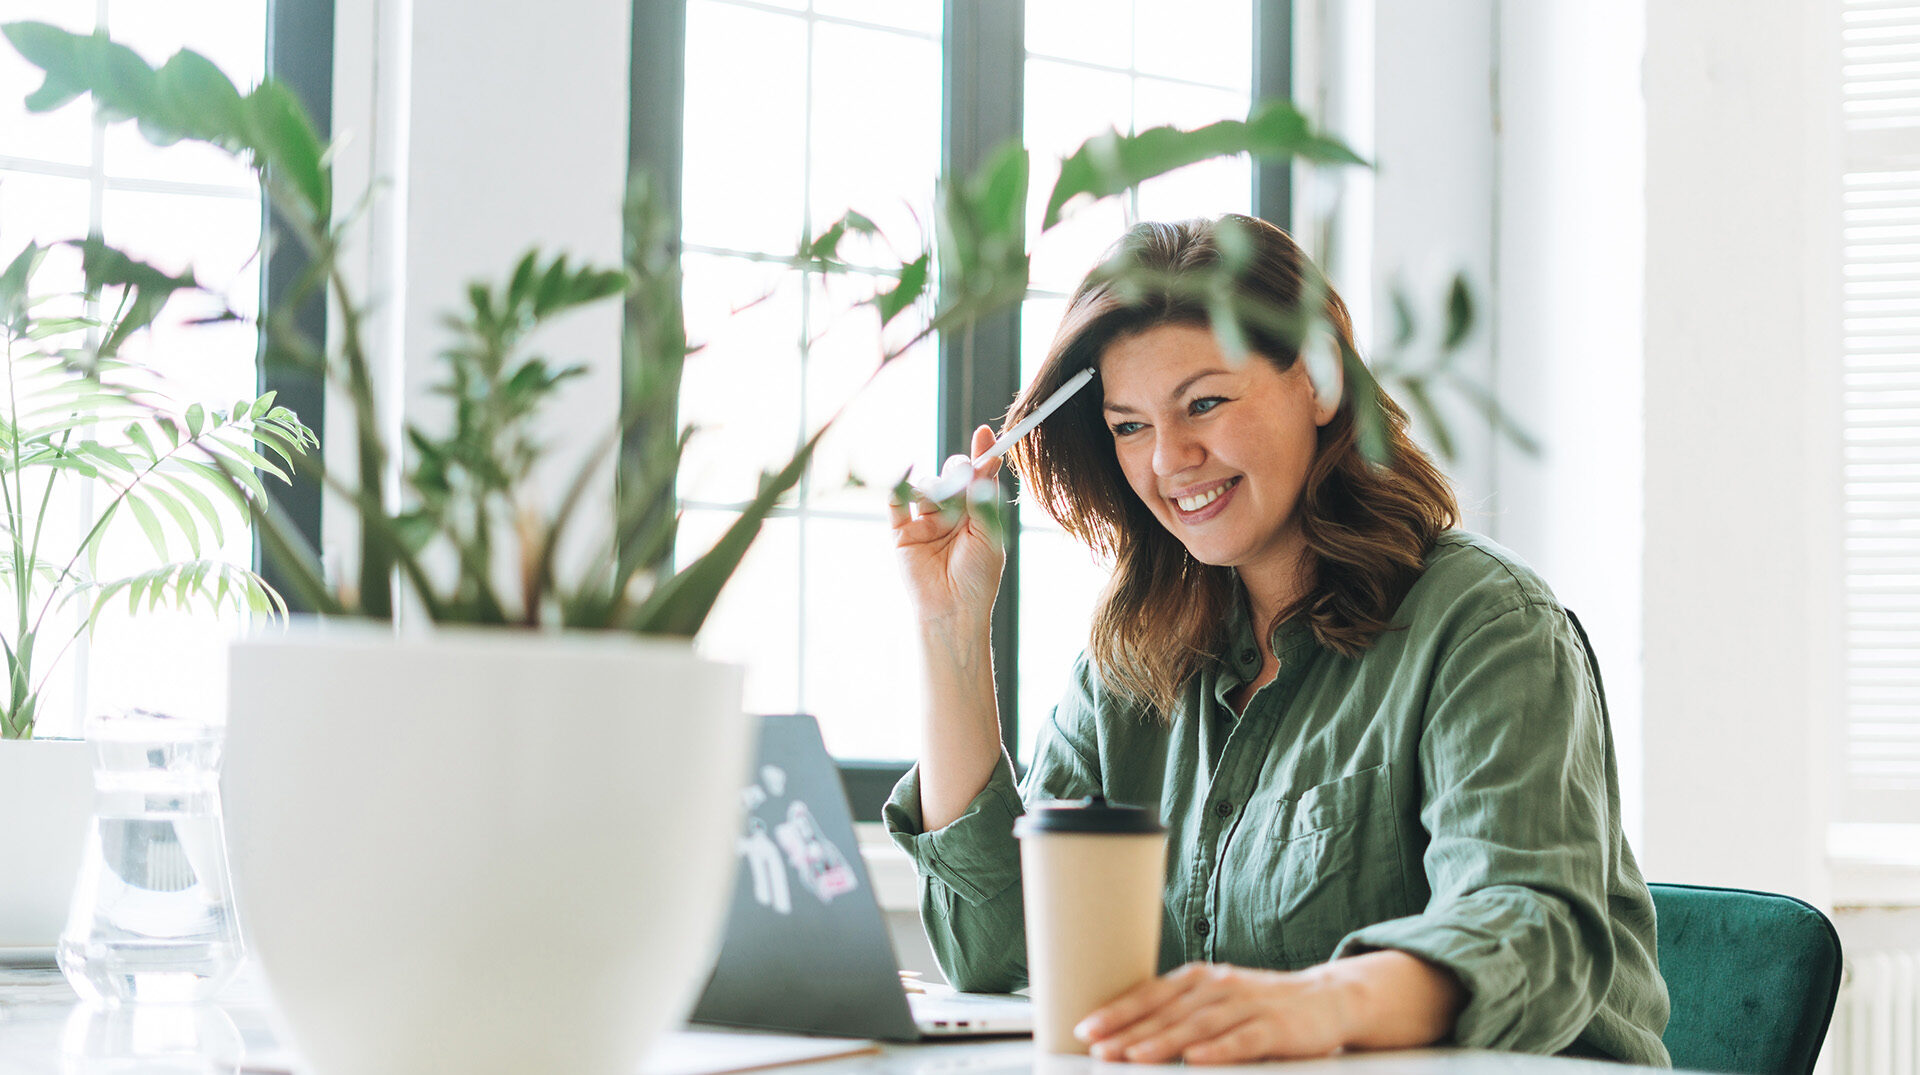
(1321, 355)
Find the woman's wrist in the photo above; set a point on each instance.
(1389, 999)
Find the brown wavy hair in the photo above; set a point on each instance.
(1164, 615)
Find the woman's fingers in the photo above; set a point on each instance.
(1189, 1030)
(1146, 1014)
(1138, 1003)
(982, 440)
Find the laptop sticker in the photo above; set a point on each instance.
(823, 870)
(769, 873)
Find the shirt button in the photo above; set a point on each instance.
(1200, 926)
(1223, 808)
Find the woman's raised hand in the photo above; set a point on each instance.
(951, 563)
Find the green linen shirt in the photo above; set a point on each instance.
(1451, 793)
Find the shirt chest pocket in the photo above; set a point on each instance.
(1336, 866)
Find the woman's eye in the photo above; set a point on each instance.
(1205, 404)
(1121, 429)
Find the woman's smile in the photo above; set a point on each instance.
(1198, 507)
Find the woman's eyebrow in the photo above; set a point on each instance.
(1178, 391)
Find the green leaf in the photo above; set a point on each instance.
(261, 407)
(520, 285)
(150, 523)
(201, 102)
(1459, 313)
(196, 419)
(679, 605)
(162, 496)
(283, 135)
(190, 490)
(913, 284)
(254, 459)
(137, 433)
(14, 293)
(1109, 163)
(56, 52)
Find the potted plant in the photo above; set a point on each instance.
(76, 413)
(483, 813)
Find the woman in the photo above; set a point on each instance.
(1379, 744)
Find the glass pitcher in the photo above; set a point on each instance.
(152, 915)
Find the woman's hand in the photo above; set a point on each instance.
(1211, 1013)
(952, 565)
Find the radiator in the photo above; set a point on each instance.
(1876, 1026)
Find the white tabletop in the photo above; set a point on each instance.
(45, 1031)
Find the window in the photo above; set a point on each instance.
(864, 89)
(65, 175)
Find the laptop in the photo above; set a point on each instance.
(805, 946)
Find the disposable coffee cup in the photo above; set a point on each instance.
(1091, 874)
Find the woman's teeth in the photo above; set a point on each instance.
(1201, 500)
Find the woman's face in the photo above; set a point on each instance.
(1219, 453)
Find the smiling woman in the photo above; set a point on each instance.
(1379, 745)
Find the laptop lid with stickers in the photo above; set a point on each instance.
(806, 947)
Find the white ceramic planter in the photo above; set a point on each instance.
(481, 851)
(46, 792)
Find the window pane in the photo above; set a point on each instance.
(61, 137)
(1207, 41)
(876, 128)
(741, 390)
(890, 418)
(1059, 583)
(1205, 189)
(780, 142)
(44, 209)
(863, 676)
(231, 33)
(1092, 31)
(920, 16)
(745, 128)
(215, 238)
(756, 623)
(1066, 105)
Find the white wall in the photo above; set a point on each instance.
(1737, 607)
(1569, 262)
(490, 127)
(1643, 206)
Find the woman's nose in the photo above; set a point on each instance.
(1175, 451)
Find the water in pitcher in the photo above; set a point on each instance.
(152, 915)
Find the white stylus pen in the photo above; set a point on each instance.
(957, 472)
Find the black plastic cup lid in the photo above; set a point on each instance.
(1094, 815)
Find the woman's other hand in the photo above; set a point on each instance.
(952, 565)
(1211, 1013)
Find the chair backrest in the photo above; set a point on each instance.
(1752, 977)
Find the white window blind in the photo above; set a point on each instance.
(1880, 761)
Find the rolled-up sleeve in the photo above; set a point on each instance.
(970, 899)
(1517, 814)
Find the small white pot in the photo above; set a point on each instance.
(46, 793)
(481, 850)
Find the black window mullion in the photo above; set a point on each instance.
(1273, 78)
(982, 108)
(299, 54)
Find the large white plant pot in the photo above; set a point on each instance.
(46, 797)
(481, 850)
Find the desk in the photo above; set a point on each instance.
(44, 1032)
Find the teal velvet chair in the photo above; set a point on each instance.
(1752, 977)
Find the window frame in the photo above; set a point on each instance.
(983, 62)
(300, 42)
